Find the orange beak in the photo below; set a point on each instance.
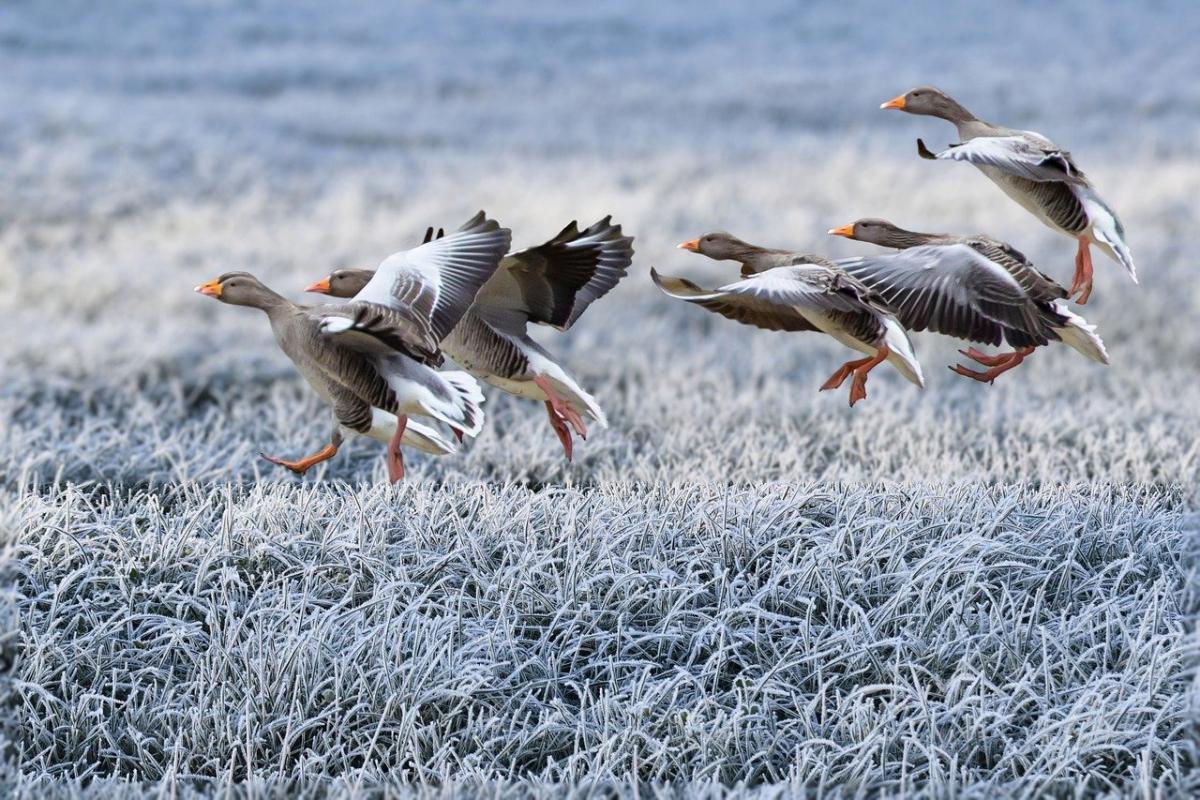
(845, 230)
(211, 289)
(896, 102)
(320, 287)
(691, 244)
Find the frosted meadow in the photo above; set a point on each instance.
(968, 590)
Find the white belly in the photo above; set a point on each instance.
(830, 328)
(526, 389)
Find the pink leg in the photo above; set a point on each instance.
(303, 465)
(1083, 272)
(561, 407)
(395, 459)
(561, 429)
(858, 387)
(1003, 364)
(985, 359)
(843, 372)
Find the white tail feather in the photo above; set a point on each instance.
(571, 391)
(468, 401)
(901, 355)
(1080, 335)
(1107, 230)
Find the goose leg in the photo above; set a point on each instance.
(1083, 272)
(303, 465)
(560, 428)
(843, 372)
(1004, 363)
(395, 459)
(561, 407)
(985, 359)
(858, 388)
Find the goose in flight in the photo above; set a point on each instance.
(970, 287)
(1035, 172)
(372, 360)
(784, 291)
(551, 284)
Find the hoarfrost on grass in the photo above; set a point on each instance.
(971, 590)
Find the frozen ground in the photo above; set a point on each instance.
(969, 589)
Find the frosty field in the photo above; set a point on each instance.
(968, 590)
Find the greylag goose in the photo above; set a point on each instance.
(551, 284)
(969, 287)
(1035, 172)
(372, 360)
(782, 291)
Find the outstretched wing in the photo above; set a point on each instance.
(374, 329)
(1024, 155)
(777, 299)
(949, 289)
(553, 283)
(438, 280)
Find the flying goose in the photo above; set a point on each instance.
(1035, 172)
(551, 284)
(783, 291)
(372, 360)
(969, 287)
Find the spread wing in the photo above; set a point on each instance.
(777, 299)
(553, 283)
(949, 289)
(378, 330)
(1025, 155)
(438, 280)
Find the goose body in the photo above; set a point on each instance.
(1035, 172)
(970, 287)
(373, 360)
(551, 284)
(808, 294)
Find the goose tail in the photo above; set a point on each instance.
(1079, 334)
(467, 400)
(901, 354)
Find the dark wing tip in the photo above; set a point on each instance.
(479, 224)
(925, 152)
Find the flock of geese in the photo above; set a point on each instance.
(374, 357)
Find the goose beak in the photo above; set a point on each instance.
(845, 230)
(210, 289)
(691, 244)
(319, 287)
(896, 103)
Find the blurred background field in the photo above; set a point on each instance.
(553, 625)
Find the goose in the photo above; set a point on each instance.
(970, 287)
(551, 284)
(372, 360)
(1035, 172)
(784, 291)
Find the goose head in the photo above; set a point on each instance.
(341, 282)
(929, 101)
(238, 289)
(718, 245)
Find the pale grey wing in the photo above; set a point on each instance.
(378, 330)
(439, 280)
(745, 309)
(1037, 285)
(949, 289)
(775, 299)
(1019, 155)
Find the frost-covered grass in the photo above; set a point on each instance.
(969, 591)
(870, 637)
